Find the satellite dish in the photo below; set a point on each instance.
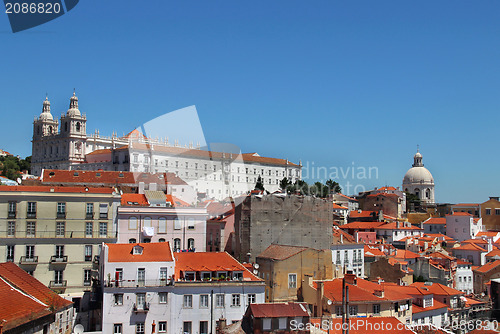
(255, 271)
(19, 181)
(79, 329)
(256, 266)
(329, 302)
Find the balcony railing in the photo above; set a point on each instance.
(12, 214)
(53, 234)
(89, 215)
(31, 214)
(137, 283)
(141, 307)
(29, 260)
(59, 259)
(58, 284)
(61, 215)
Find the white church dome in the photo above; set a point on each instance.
(418, 175)
(46, 115)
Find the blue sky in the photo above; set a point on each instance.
(329, 82)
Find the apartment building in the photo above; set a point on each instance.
(54, 233)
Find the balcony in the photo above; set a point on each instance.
(12, 214)
(28, 260)
(137, 283)
(141, 307)
(61, 215)
(89, 215)
(103, 215)
(63, 259)
(58, 285)
(31, 215)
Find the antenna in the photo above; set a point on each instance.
(79, 329)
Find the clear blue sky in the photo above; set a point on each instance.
(329, 82)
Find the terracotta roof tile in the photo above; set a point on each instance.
(56, 189)
(488, 266)
(278, 310)
(152, 252)
(435, 221)
(281, 252)
(438, 289)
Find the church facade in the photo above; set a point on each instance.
(64, 144)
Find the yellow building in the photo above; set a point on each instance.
(54, 233)
(490, 212)
(285, 267)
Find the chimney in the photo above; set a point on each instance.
(357, 237)
(320, 291)
(490, 246)
(397, 224)
(141, 187)
(341, 238)
(350, 279)
(153, 186)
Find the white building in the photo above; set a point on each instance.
(419, 181)
(214, 174)
(464, 278)
(462, 226)
(347, 254)
(396, 231)
(148, 289)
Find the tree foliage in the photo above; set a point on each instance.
(317, 189)
(12, 166)
(259, 185)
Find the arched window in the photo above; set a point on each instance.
(161, 240)
(428, 193)
(132, 241)
(191, 244)
(66, 126)
(177, 244)
(417, 192)
(78, 126)
(147, 222)
(147, 240)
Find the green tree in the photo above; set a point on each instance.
(284, 183)
(333, 186)
(259, 185)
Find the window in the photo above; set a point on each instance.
(89, 210)
(87, 277)
(282, 323)
(162, 327)
(140, 299)
(31, 210)
(103, 211)
(162, 225)
(88, 229)
(177, 224)
(190, 224)
(376, 308)
(10, 253)
(488, 211)
(117, 329)
(162, 298)
(251, 298)
(12, 209)
(139, 328)
(147, 222)
(103, 229)
(203, 327)
(191, 244)
(203, 301)
(58, 277)
(292, 281)
(266, 324)
(88, 253)
(177, 244)
(235, 300)
(132, 223)
(132, 241)
(338, 310)
(188, 301)
(59, 251)
(61, 210)
(60, 229)
(30, 252)
(353, 310)
(219, 300)
(187, 327)
(141, 276)
(118, 299)
(11, 229)
(163, 273)
(30, 229)
(497, 212)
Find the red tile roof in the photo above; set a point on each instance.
(24, 298)
(152, 252)
(361, 225)
(281, 252)
(438, 289)
(373, 325)
(363, 214)
(460, 214)
(210, 261)
(394, 226)
(436, 305)
(55, 189)
(468, 246)
(406, 254)
(387, 188)
(369, 251)
(278, 310)
(339, 207)
(488, 266)
(383, 194)
(435, 221)
(134, 199)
